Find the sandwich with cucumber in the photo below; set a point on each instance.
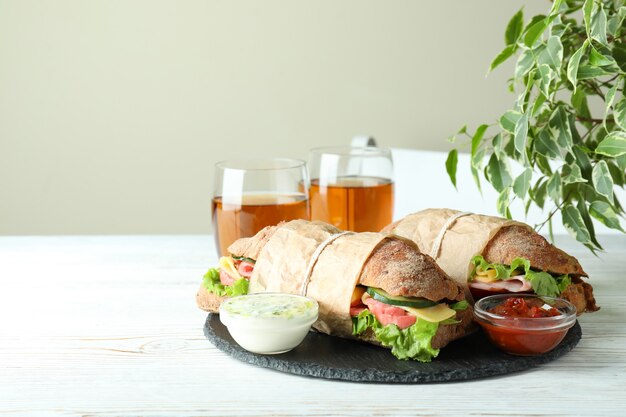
(370, 287)
(492, 255)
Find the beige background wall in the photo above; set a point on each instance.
(112, 113)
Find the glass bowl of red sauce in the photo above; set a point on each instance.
(525, 324)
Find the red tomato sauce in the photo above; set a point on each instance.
(519, 307)
(520, 341)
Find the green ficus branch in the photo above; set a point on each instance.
(566, 155)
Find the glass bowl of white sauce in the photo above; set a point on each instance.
(269, 323)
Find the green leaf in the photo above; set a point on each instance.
(574, 224)
(604, 213)
(521, 132)
(598, 26)
(539, 101)
(502, 203)
(502, 56)
(509, 119)
(476, 178)
(618, 174)
(514, 28)
(539, 195)
(451, 165)
(582, 160)
(602, 181)
(616, 21)
(610, 97)
(571, 174)
(620, 113)
(576, 138)
(584, 214)
(498, 145)
(553, 187)
(559, 125)
(621, 161)
(553, 54)
(619, 53)
(546, 75)
(522, 183)
(546, 145)
(586, 72)
(498, 173)
(534, 32)
(579, 101)
(614, 145)
(543, 164)
(572, 65)
(476, 140)
(598, 60)
(524, 63)
(587, 10)
(556, 7)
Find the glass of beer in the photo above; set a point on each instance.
(250, 194)
(352, 188)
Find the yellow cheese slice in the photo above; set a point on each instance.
(433, 314)
(485, 276)
(227, 265)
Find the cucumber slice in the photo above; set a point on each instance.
(398, 300)
(243, 258)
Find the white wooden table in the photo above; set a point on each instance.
(109, 326)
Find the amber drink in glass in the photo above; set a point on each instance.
(352, 188)
(251, 194)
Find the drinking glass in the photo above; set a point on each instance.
(250, 194)
(352, 187)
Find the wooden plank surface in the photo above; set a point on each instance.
(108, 326)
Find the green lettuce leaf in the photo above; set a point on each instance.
(502, 272)
(363, 321)
(460, 306)
(450, 321)
(239, 287)
(543, 283)
(211, 281)
(414, 342)
(563, 282)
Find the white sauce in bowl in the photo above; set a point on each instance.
(269, 323)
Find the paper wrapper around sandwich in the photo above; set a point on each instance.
(283, 262)
(464, 237)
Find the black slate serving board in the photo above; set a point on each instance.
(324, 356)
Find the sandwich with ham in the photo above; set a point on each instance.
(492, 255)
(371, 287)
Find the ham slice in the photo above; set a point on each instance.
(387, 314)
(226, 279)
(245, 268)
(514, 284)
